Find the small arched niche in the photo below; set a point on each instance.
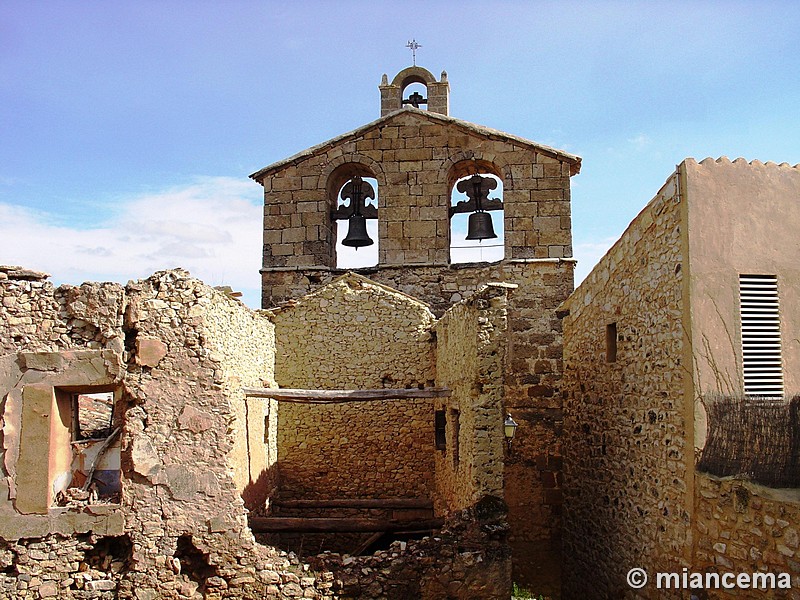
(476, 188)
(353, 190)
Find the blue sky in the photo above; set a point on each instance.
(129, 129)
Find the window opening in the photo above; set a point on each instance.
(93, 414)
(611, 343)
(94, 473)
(439, 427)
(356, 219)
(454, 416)
(416, 95)
(477, 232)
(762, 362)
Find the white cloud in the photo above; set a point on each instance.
(640, 142)
(211, 227)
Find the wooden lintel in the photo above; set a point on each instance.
(338, 525)
(323, 396)
(411, 503)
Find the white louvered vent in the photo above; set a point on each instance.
(761, 336)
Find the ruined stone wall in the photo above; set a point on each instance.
(355, 334)
(180, 528)
(470, 357)
(244, 345)
(468, 559)
(533, 385)
(35, 316)
(628, 460)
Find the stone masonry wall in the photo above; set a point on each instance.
(180, 528)
(627, 458)
(244, 345)
(533, 385)
(471, 349)
(36, 316)
(355, 334)
(747, 528)
(416, 157)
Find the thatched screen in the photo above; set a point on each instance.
(755, 439)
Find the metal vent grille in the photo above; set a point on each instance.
(761, 336)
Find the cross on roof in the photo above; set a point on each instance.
(413, 45)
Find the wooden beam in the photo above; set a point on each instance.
(331, 396)
(340, 525)
(414, 503)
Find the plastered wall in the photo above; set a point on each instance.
(736, 225)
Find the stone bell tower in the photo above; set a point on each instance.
(415, 157)
(438, 96)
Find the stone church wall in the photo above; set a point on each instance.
(628, 460)
(355, 334)
(416, 159)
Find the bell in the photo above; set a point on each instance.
(480, 226)
(357, 236)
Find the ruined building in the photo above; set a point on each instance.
(356, 426)
(418, 160)
(161, 440)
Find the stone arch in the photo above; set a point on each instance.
(460, 167)
(339, 172)
(344, 167)
(411, 75)
(465, 163)
(437, 93)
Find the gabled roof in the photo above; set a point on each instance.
(355, 281)
(479, 130)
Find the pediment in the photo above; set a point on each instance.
(409, 116)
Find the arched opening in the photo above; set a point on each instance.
(415, 94)
(477, 232)
(354, 197)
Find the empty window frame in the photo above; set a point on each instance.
(611, 342)
(439, 428)
(455, 419)
(762, 362)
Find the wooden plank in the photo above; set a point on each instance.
(323, 396)
(412, 503)
(367, 543)
(337, 525)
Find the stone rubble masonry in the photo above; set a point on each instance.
(468, 558)
(355, 334)
(416, 157)
(193, 448)
(532, 377)
(471, 352)
(180, 528)
(745, 528)
(625, 462)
